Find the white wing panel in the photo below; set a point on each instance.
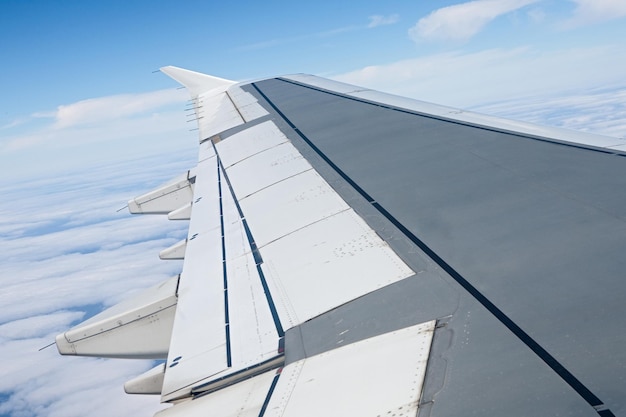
(205, 200)
(309, 238)
(249, 142)
(224, 322)
(289, 205)
(206, 151)
(266, 168)
(198, 345)
(166, 198)
(216, 113)
(176, 251)
(148, 383)
(139, 327)
(253, 334)
(182, 213)
(244, 399)
(195, 82)
(327, 264)
(381, 376)
(236, 240)
(246, 104)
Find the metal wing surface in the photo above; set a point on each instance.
(355, 253)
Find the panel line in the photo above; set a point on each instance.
(229, 361)
(269, 394)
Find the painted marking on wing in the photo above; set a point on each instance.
(543, 354)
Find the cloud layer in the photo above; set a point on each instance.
(600, 110)
(468, 79)
(67, 254)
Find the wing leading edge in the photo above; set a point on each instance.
(358, 253)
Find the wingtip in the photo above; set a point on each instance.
(196, 82)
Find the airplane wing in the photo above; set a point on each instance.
(356, 253)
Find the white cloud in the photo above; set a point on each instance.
(596, 110)
(380, 20)
(462, 21)
(299, 38)
(98, 110)
(43, 384)
(100, 118)
(65, 247)
(109, 129)
(594, 11)
(93, 131)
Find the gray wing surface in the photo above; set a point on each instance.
(518, 239)
(485, 276)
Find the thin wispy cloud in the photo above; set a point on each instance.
(462, 21)
(68, 121)
(465, 79)
(287, 40)
(115, 107)
(380, 20)
(92, 131)
(536, 15)
(14, 123)
(374, 21)
(589, 12)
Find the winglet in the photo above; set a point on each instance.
(196, 82)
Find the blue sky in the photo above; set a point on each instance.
(85, 125)
(78, 83)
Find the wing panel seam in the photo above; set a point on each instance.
(229, 361)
